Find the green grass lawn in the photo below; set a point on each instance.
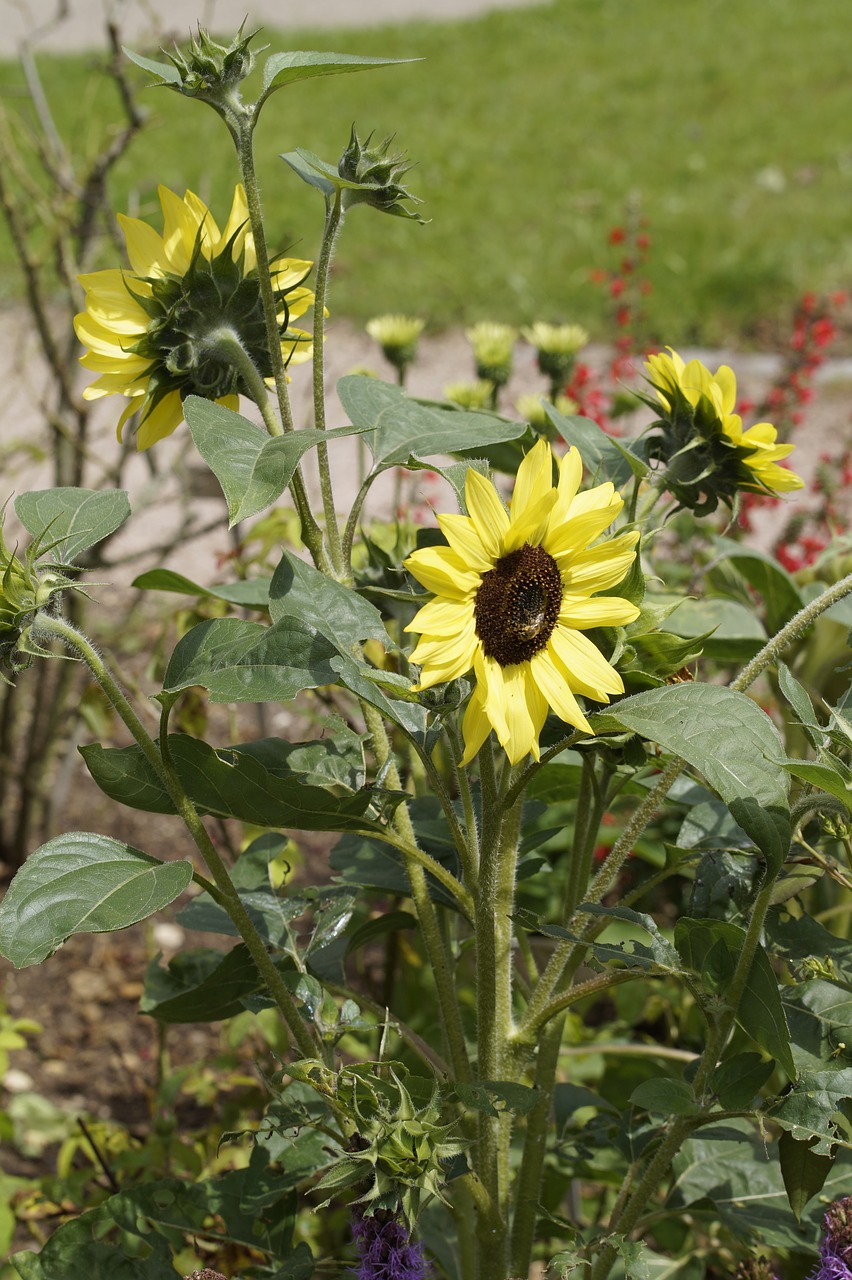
(729, 124)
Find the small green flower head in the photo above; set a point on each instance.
(25, 588)
(469, 395)
(556, 347)
(211, 71)
(532, 410)
(397, 336)
(379, 175)
(493, 345)
(401, 1151)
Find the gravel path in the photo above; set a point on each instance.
(153, 22)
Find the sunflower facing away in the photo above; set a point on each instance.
(755, 454)
(149, 331)
(513, 594)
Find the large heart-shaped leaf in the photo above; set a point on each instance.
(72, 520)
(402, 427)
(730, 741)
(239, 661)
(299, 590)
(82, 883)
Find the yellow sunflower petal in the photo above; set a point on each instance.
(145, 248)
(441, 617)
(442, 570)
(554, 687)
(161, 421)
(726, 381)
(533, 482)
(463, 536)
(180, 229)
(576, 534)
(600, 567)
(486, 511)
(596, 611)
(475, 727)
(198, 216)
(586, 669)
(520, 734)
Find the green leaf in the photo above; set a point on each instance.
(253, 468)
(370, 864)
(731, 742)
(300, 591)
(806, 943)
(819, 1015)
(799, 700)
(402, 427)
(312, 170)
(167, 72)
(804, 1172)
(810, 1108)
(776, 588)
(737, 632)
(239, 661)
(251, 594)
(282, 69)
(604, 457)
(228, 783)
(711, 948)
(821, 774)
(199, 986)
(739, 1174)
(665, 1097)
(82, 883)
(74, 519)
(738, 1079)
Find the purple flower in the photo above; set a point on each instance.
(835, 1251)
(385, 1250)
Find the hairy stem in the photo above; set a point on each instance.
(333, 219)
(51, 627)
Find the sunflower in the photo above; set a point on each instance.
(148, 331)
(513, 594)
(753, 455)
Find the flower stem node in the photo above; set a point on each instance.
(379, 176)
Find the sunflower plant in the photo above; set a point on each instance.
(550, 772)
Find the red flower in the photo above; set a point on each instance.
(617, 235)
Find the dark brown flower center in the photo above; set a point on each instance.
(517, 605)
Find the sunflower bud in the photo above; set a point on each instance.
(212, 71)
(25, 588)
(398, 1150)
(379, 176)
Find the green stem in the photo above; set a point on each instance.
(225, 343)
(494, 902)
(333, 219)
(354, 515)
(528, 1186)
(52, 627)
(439, 959)
(471, 861)
(795, 628)
(410, 851)
(311, 532)
(592, 799)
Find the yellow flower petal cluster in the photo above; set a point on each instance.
(514, 592)
(129, 326)
(716, 394)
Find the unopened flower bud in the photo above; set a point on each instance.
(379, 175)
